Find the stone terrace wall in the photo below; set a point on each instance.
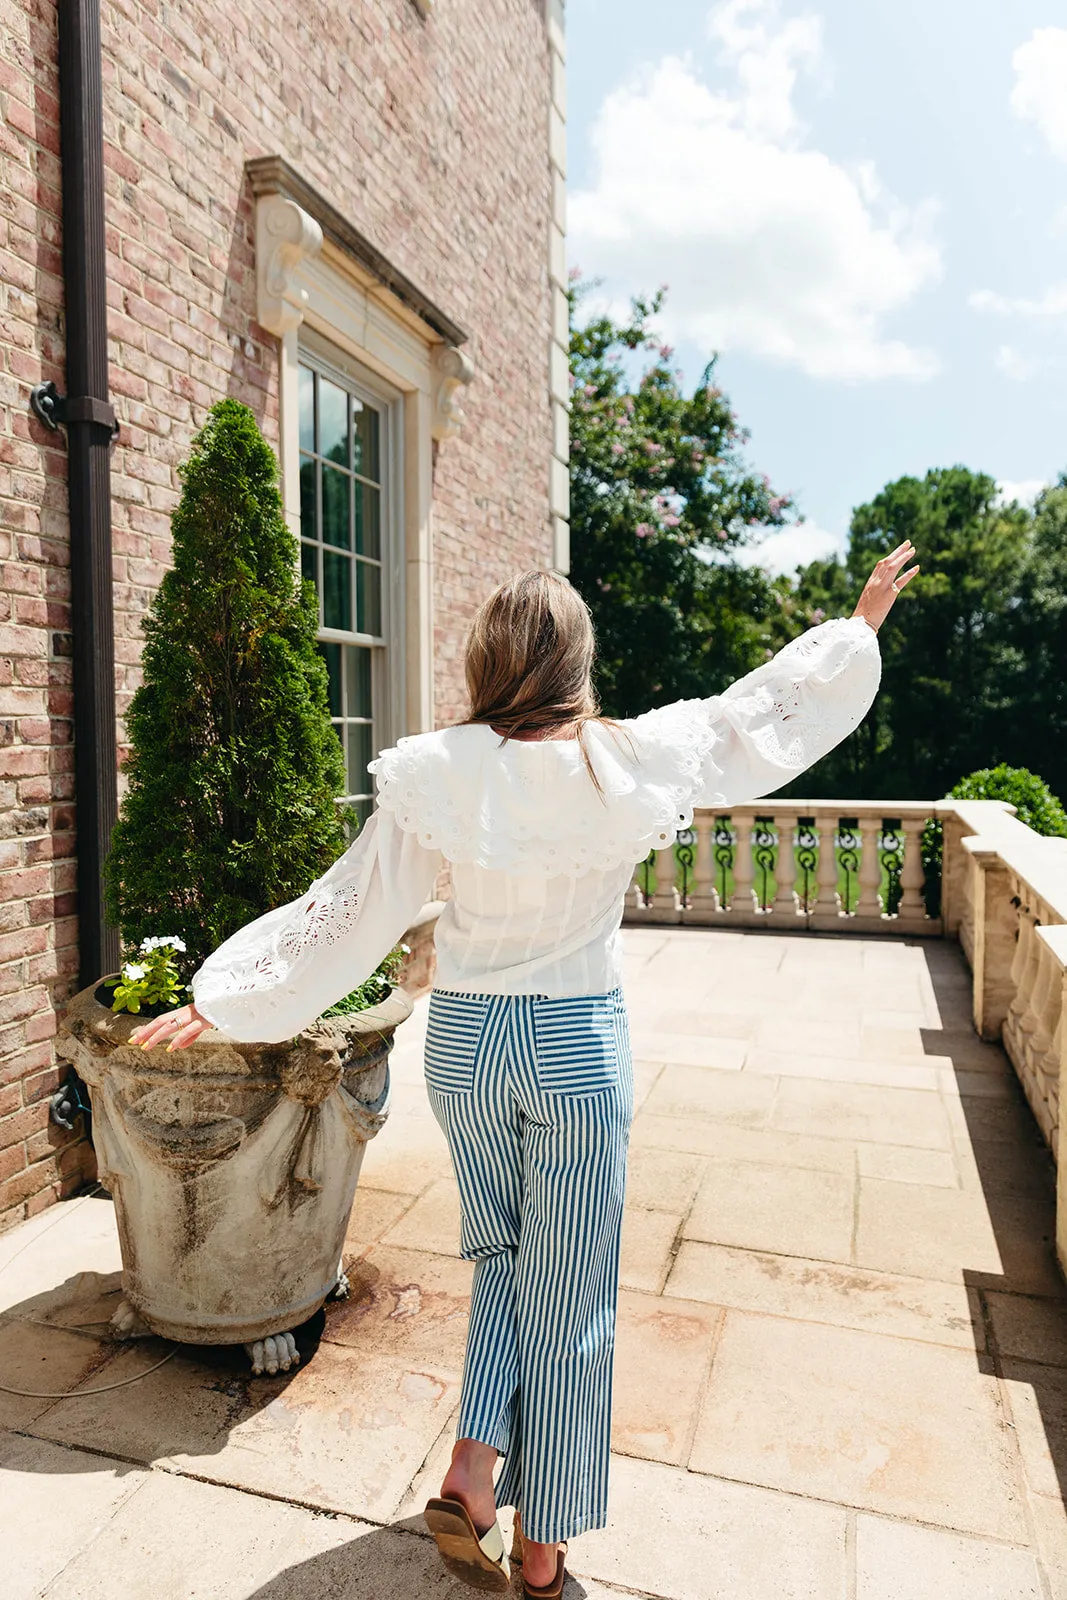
(431, 136)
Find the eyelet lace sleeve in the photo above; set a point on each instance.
(274, 976)
(772, 725)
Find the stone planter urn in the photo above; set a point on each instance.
(233, 1167)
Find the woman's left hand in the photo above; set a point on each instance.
(181, 1027)
(884, 584)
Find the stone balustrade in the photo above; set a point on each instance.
(858, 867)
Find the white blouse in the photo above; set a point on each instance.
(540, 859)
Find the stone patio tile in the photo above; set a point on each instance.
(373, 1213)
(87, 1301)
(960, 1082)
(890, 1425)
(901, 1163)
(1028, 1328)
(676, 1341)
(688, 1049)
(818, 1291)
(738, 1097)
(164, 1543)
(646, 1075)
(647, 1248)
(184, 1406)
(406, 1157)
(662, 1180)
(898, 1561)
(427, 1480)
(944, 1233)
(1037, 1396)
(861, 1111)
(887, 1072)
(55, 1502)
(976, 1120)
(779, 1035)
(796, 1211)
(703, 1136)
(718, 1024)
(432, 1223)
(883, 1043)
(48, 1360)
(405, 1303)
(74, 1236)
(346, 1433)
(1050, 1530)
(677, 1535)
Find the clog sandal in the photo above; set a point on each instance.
(477, 1560)
(551, 1591)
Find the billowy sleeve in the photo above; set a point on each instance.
(770, 726)
(276, 975)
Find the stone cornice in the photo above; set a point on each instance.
(273, 175)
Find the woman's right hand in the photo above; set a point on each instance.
(884, 584)
(181, 1027)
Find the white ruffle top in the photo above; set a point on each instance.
(540, 860)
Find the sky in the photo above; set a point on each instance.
(861, 205)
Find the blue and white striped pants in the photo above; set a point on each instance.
(535, 1097)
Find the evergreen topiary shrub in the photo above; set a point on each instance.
(234, 766)
(1034, 803)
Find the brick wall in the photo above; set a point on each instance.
(431, 136)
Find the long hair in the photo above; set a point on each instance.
(529, 660)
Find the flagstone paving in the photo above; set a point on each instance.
(842, 1353)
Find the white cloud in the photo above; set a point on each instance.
(769, 245)
(1053, 303)
(784, 549)
(1040, 91)
(1011, 363)
(1025, 490)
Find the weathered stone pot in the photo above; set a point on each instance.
(233, 1167)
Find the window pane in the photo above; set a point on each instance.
(336, 522)
(366, 425)
(358, 681)
(307, 498)
(332, 655)
(368, 521)
(359, 753)
(309, 563)
(307, 409)
(337, 591)
(333, 423)
(368, 597)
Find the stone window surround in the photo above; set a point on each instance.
(314, 268)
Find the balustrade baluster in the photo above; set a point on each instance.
(704, 898)
(666, 902)
(827, 902)
(785, 866)
(870, 875)
(744, 896)
(912, 876)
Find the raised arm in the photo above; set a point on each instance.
(274, 976)
(772, 725)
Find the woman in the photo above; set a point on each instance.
(542, 809)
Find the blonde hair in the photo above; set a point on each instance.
(529, 659)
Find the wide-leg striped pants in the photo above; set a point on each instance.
(535, 1097)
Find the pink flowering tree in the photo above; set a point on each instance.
(661, 498)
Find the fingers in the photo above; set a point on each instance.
(905, 577)
(182, 1024)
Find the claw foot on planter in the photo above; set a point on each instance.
(128, 1323)
(276, 1354)
(342, 1288)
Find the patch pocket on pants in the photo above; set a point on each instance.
(577, 1045)
(454, 1028)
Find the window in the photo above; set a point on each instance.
(344, 524)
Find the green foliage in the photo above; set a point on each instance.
(229, 809)
(950, 665)
(1035, 724)
(1034, 802)
(151, 980)
(660, 497)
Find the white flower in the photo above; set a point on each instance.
(133, 971)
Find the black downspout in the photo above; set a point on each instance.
(90, 424)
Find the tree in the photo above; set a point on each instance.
(1038, 733)
(234, 764)
(660, 497)
(950, 664)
